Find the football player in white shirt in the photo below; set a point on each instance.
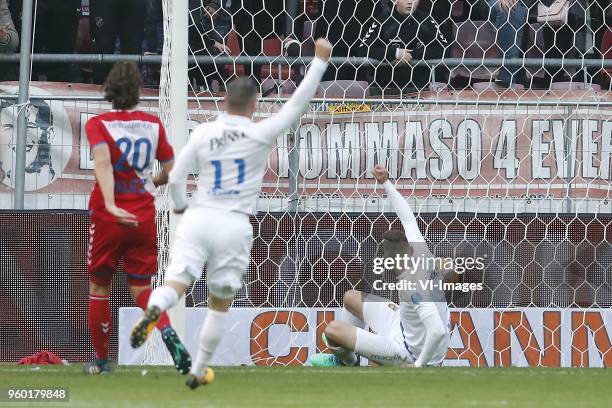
(232, 155)
(414, 333)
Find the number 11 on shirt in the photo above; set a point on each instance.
(219, 171)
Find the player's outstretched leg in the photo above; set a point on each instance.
(385, 346)
(335, 335)
(342, 331)
(210, 337)
(178, 351)
(160, 300)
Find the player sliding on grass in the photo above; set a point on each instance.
(232, 154)
(125, 143)
(415, 333)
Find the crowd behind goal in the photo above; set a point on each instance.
(393, 36)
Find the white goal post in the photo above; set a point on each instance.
(173, 95)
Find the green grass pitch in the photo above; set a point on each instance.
(247, 387)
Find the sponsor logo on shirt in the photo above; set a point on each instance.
(229, 136)
(222, 192)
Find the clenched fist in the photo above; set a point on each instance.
(323, 49)
(380, 174)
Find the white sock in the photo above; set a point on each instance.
(210, 336)
(163, 297)
(351, 319)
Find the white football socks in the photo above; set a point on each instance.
(163, 297)
(210, 336)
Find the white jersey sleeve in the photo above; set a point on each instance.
(177, 179)
(404, 213)
(269, 129)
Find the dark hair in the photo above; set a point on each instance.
(394, 243)
(240, 93)
(122, 86)
(394, 236)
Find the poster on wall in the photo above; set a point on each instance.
(469, 158)
(521, 337)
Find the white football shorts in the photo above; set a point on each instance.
(219, 239)
(385, 344)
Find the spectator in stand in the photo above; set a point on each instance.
(216, 21)
(208, 30)
(341, 22)
(510, 19)
(9, 40)
(112, 19)
(56, 28)
(154, 28)
(153, 43)
(441, 11)
(599, 18)
(579, 38)
(400, 34)
(255, 21)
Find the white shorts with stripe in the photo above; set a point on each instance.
(385, 344)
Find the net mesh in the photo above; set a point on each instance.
(510, 162)
(44, 286)
(496, 127)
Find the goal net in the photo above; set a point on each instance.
(502, 154)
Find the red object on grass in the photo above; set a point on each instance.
(41, 358)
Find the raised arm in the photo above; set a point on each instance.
(400, 206)
(404, 213)
(269, 129)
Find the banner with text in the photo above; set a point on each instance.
(452, 157)
(479, 337)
